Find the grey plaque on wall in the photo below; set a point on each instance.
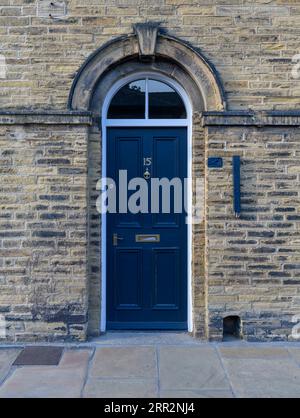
(53, 9)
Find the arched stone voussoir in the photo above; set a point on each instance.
(126, 48)
(198, 68)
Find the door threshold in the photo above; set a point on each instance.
(145, 331)
(144, 338)
(150, 326)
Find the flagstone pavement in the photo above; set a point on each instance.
(157, 365)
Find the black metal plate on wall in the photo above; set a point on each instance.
(215, 162)
(236, 172)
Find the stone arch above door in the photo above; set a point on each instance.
(115, 61)
(163, 51)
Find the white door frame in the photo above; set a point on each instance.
(188, 123)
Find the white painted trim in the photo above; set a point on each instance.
(188, 123)
(145, 122)
(147, 100)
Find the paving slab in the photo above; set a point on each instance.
(159, 369)
(269, 395)
(7, 357)
(261, 377)
(75, 359)
(121, 388)
(295, 352)
(63, 381)
(215, 394)
(124, 362)
(254, 352)
(195, 368)
(43, 382)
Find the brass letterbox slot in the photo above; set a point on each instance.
(147, 238)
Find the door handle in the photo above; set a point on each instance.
(147, 174)
(116, 239)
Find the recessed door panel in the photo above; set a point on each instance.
(166, 271)
(166, 167)
(128, 265)
(128, 155)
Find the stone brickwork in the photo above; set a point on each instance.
(94, 232)
(198, 232)
(250, 43)
(50, 158)
(43, 231)
(253, 268)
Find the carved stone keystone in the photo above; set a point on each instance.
(147, 37)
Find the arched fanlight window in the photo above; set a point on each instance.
(147, 99)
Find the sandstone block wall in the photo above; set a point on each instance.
(50, 232)
(253, 268)
(43, 231)
(251, 44)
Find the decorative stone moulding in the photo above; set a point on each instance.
(147, 39)
(245, 118)
(45, 118)
(147, 44)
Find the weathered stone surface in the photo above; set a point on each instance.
(195, 368)
(121, 388)
(111, 54)
(50, 160)
(254, 352)
(76, 359)
(257, 44)
(63, 381)
(44, 279)
(7, 357)
(295, 352)
(43, 382)
(206, 394)
(248, 268)
(264, 377)
(147, 37)
(112, 362)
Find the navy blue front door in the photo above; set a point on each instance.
(147, 252)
